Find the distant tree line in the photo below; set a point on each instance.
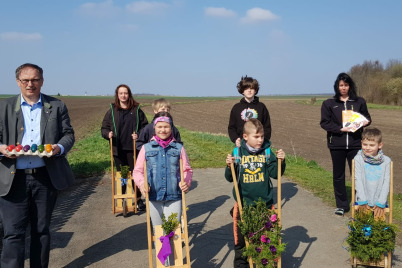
(379, 84)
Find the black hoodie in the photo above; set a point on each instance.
(331, 121)
(243, 111)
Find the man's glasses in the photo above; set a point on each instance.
(26, 81)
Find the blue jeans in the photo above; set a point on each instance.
(31, 199)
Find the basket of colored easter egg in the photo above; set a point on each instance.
(39, 150)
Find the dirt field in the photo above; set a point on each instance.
(295, 127)
(87, 113)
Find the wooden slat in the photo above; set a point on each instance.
(176, 258)
(111, 166)
(178, 248)
(118, 191)
(184, 216)
(149, 235)
(158, 245)
(279, 203)
(236, 187)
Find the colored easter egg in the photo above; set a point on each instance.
(18, 147)
(41, 148)
(34, 147)
(26, 148)
(48, 148)
(10, 147)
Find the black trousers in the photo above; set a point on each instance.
(339, 158)
(31, 200)
(125, 158)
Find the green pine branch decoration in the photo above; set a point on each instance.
(369, 239)
(170, 224)
(124, 171)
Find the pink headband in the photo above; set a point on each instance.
(162, 119)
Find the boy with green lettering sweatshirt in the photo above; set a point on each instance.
(255, 164)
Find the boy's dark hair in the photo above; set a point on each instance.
(347, 79)
(253, 124)
(372, 134)
(248, 82)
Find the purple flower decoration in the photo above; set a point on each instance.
(264, 262)
(250, 235)
(268, 225)
(265, 239)
(258, 249)
(272, 249)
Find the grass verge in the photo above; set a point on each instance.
(91, 157)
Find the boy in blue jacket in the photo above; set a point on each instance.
(372, 173)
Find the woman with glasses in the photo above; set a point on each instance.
(121, 123)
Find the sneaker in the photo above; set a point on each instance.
(339, 211)
(140, 205)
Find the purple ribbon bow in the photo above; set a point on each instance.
(165, 249)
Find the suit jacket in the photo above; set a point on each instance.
(55, 128)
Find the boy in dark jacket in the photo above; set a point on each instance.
(248, 107)
(254, 165)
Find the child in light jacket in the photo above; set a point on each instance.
(372, 173)
(162, 155)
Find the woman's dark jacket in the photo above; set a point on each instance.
(331, 121)
(125, 123)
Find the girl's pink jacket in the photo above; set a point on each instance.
(138, 172)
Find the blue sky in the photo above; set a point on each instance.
(194, 48)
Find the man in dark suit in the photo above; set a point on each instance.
(29, 185)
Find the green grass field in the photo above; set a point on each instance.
(91, 157)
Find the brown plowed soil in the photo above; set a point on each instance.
(295, 127)
(86, 114)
